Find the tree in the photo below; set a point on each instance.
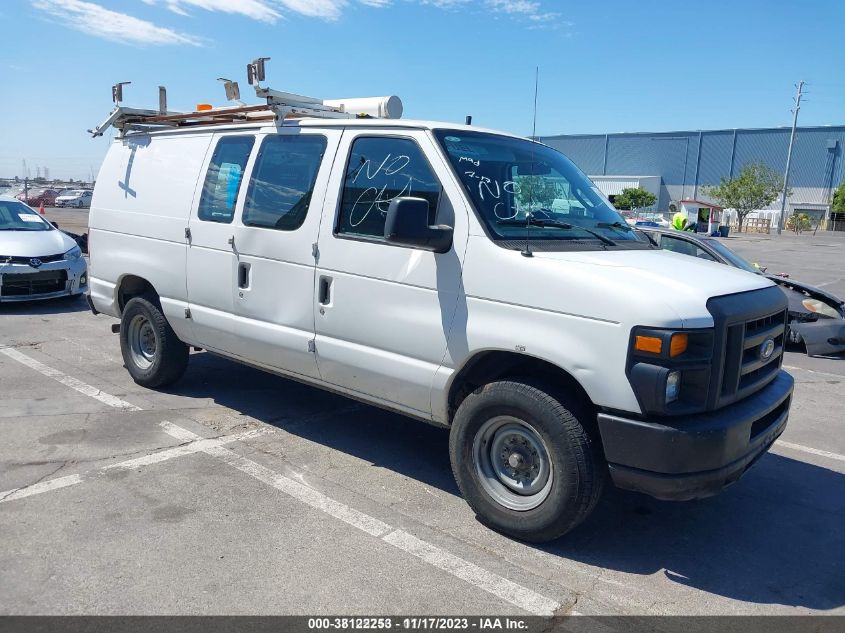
(536, 192)
(634, 198)
(839, 199)
(756, 187)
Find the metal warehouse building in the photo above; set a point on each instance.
(677, 165)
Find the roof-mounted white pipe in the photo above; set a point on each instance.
(379, 107)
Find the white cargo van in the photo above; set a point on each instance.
(468, 278)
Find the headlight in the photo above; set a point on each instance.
(669, 370)
(73, 254)
(820, 307)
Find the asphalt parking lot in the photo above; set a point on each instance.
(238, 492)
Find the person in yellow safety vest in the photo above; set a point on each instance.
(679, 221)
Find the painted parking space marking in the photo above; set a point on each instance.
(199, 445)
(816, 371)
(519, 596)
(69, 381)
(42, 486)
(811, 451)
(473, 574)
(302, 492)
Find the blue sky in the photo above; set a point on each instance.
(604, 66)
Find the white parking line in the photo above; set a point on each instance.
(815, 371)
(812, 451)
(501, 587)
(40, 487)
(69, 381)
(303, 493)
(473, 574)
(199, 445)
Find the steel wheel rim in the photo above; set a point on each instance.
(512, 463)
(142, 340)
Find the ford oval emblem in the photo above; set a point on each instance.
(35, 262)
(767, 348)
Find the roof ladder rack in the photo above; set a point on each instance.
(279, 106)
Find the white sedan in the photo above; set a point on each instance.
(37, 261)
(79, 198)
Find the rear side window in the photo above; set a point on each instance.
(283, 180)
(223, 179)
(379, 170)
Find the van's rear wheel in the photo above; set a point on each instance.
(153, 354)
(524, 460)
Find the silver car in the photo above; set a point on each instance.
(37, 261)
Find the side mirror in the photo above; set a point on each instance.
(407, 225)
(55, 224)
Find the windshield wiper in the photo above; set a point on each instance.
(615, 225)
(626, 228)
(532, 221)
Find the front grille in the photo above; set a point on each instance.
(745, 368)
(45, 259)
(743, 323)
(36, 283)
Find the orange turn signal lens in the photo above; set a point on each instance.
(650, 344)
(204, 107)
(678, 345)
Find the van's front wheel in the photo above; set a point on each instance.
(152, 353)
(524, 460)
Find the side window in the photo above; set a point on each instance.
(379, 170)
(702, 254)
(223, 179)
(282, 181)
(678, 246)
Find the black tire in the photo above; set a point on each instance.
(577, 467)
(165, 358)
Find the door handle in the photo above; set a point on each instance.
(243, 275)
(231, 241)
(325, 292)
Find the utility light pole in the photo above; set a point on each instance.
(798, 95)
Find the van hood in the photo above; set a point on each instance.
(682, 283)
(645, 287)
(34, 243)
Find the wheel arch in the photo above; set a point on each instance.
(490, 365)
(129, 286)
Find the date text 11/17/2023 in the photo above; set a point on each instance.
(421, 623)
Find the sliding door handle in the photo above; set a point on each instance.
(244, 271)
(324, 296)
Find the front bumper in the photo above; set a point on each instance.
(689, 457)
(14, 280)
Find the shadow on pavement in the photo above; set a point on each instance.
(380, 437)
(776, 537)
(62, 305)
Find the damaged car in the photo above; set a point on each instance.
(816, 317)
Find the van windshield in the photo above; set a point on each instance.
(517, 185)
